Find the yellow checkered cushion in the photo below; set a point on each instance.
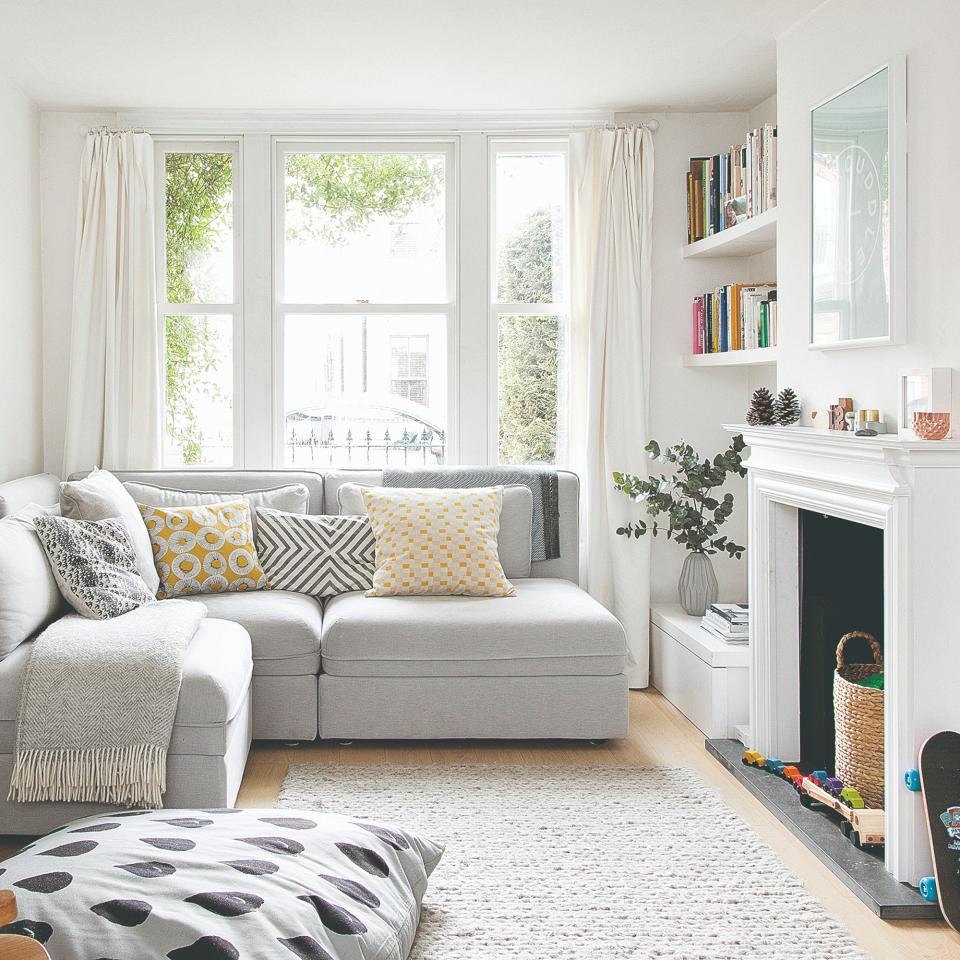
(436, 542)
(204, 549)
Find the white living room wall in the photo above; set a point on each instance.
(838, 44)
(692, 403)
(21, 437)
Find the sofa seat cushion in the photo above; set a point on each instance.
(217, 669)
(550, 628)
(284, 628)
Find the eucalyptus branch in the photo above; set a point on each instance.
(686, 497)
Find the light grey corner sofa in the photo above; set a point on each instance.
(213, 724)
(547, 663)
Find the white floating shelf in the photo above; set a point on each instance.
(732, 358)
(753, 236)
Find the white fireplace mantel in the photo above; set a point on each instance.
(910, 489)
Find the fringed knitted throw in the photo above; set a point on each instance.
(97, 703)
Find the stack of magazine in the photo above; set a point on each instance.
(729, 621)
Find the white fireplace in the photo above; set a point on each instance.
(910, 489)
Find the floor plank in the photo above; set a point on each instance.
(659, 736)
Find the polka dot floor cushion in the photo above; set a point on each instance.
(222, 885)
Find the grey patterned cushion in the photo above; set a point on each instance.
(318, 555)
(94, 564)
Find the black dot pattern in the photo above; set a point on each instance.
(227, 885)
(169, 843)
(306, 948)
(333, 917)
(227, 903)
(127, 913)
(46, 882)
(365, 858)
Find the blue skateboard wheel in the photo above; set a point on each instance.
(928, 889)
(912, 779)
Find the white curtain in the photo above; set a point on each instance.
(114, 393)
(611, 229)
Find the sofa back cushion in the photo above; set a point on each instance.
(514, 538)
(101, 496)
(29, 595)
(289, 497)
(228, 484)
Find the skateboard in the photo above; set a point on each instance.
(939, 779)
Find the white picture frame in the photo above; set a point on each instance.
(922, 390)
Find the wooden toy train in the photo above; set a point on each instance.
(860, 825)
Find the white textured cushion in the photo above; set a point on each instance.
(29, 596)
(291, 498)
(514, 539)
(101, 496)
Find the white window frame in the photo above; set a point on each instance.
(234, 309)
(449, 309)
(521, 145)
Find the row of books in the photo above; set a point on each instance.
(728, 188)
(729, 621)
(738, 316)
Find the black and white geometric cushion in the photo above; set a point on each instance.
(94, 564)
(222, 885)
(318, 555)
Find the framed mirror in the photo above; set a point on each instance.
(857, 225)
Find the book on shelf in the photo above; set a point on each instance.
(736, 316)
(728, 188)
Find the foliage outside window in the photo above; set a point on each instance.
(528, 287)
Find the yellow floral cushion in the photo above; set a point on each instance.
(436, 542)
(208, 548)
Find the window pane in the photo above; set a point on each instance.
(365, 390)
(365, 227)
(199, 391)
(530, 199)
(529, 355)
(199, 227)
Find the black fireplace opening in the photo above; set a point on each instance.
(841, 589)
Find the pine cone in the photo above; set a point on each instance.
(761, 412)
(787, 408)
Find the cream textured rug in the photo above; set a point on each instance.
(583, 863)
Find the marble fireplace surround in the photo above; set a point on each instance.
(910, 489)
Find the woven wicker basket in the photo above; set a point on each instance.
(858, 718)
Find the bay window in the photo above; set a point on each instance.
(357, 337)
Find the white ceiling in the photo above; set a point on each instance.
(455, 55)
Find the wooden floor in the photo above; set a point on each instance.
(659, 735)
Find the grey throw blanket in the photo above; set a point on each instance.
(542, 481)
(97, 703)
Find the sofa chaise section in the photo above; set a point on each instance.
(211, 733)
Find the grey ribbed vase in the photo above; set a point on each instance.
(698, 584)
